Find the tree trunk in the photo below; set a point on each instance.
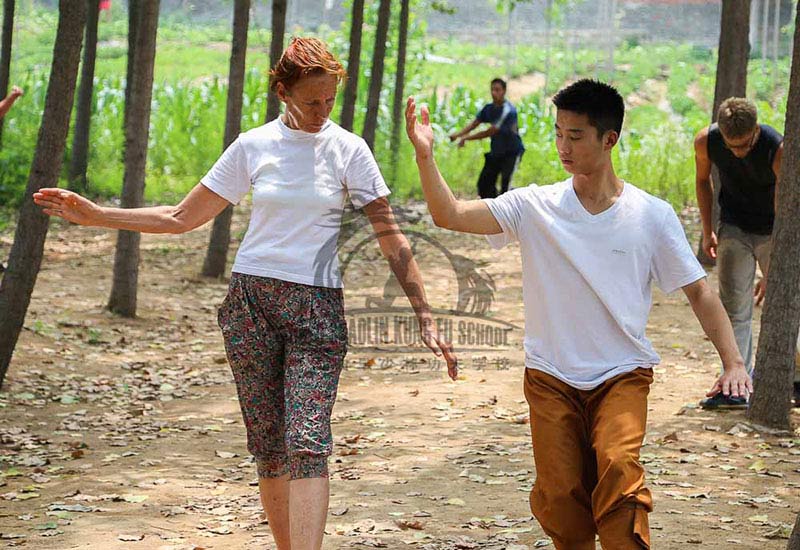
(780, 320)
(133, 26)
(26, 253)
(137, 132)
(398, 120)
(83, 114)
(794, 539)
(217, 253)
(5, 53)
(734, 48)
(353, 63)
(275, 52)
(376, 78)
(755, 17)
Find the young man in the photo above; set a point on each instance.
(590, 246)
(748, 157)
(506, 146)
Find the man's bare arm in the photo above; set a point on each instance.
(709, 311)
(467, 129)
(447, 211)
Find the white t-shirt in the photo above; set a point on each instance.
(300, 184)
(586, 278)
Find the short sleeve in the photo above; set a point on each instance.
(674, 264)
(483, 114)
(363, 178)
(229, 177)
(507, 210)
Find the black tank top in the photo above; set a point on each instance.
(747, 186)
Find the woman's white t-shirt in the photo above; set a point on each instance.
(586, 278)
(300, 183)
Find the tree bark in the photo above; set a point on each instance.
(83, 114)
(376, 78)
(353, 64)
(217, 253)
(275, 52)
(26, 252)
(734, 48)
(133, 26)
(399, 82)
(137, 133)
(770, 403)
(794, 539)
(5, 52)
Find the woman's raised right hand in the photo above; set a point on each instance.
(68, 205)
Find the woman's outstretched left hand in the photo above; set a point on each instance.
(438, 345)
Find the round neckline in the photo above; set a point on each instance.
(300, 134)
(584, 213)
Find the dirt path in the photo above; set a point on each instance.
(126, 434)
(525, 85)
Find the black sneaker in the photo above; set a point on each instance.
(797, 395)
(722, 401)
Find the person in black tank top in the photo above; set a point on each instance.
(747, 156)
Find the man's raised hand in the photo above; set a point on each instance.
(419, 130)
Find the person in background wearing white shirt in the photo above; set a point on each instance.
(591, 246)
(283, 319)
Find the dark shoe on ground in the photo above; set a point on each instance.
(723, 402)
(797, 395)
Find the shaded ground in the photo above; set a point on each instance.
(126, 433)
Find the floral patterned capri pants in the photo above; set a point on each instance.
(286, 344)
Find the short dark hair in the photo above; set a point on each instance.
(737, 117)
(597, 100)
(499, 81)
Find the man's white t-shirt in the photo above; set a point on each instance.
(586, 278)
(300, 183)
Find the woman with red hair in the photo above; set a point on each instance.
(283, 318)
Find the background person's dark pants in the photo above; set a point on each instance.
(494, 166)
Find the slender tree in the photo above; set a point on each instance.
(376, 78)
(83, 112)
(353, 64)
(137, 132)
(133, 26)
(780, 321)
(25, 260)
(217, 253)
(734, 49)
(275, 51)
(5, 51)
(399, 81)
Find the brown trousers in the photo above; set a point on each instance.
(586, 450)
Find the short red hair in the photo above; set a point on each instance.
(305, 56)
